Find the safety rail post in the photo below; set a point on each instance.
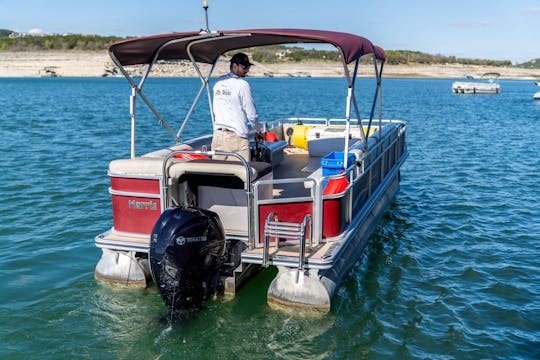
(266, 244)
(302, 250)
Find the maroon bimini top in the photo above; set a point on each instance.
(143, 50)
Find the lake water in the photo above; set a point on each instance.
(453, 272)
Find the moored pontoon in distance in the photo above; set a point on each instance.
(489, 85)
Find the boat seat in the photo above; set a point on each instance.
(160, 154)
(150, 164)
(153, 166)
(137, 166)
(219, 186)
(324, 146)
(220, 173)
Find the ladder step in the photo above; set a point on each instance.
(285, 230)
(288, 238)
(277, 223)
(282, 234)
(279, 226)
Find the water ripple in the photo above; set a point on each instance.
(452, 272)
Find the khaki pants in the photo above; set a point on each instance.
(230, 142)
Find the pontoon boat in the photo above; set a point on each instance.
(490, 85)
(197, 227)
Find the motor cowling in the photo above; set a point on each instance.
(186, 251)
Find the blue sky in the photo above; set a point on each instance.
(488, 29)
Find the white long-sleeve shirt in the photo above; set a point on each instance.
(233, 105)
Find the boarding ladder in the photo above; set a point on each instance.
(293, 232)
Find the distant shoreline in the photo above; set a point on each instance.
(97, 64)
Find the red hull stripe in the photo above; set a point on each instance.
(148, 186)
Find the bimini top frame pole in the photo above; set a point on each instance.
(137, 90)
(204, 79)
(207, 47)
(351, 99)
(378, 95)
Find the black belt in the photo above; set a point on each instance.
(224, 129)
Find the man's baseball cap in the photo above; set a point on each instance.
(241, 59)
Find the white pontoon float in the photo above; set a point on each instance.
(489, 85)
(309, 204)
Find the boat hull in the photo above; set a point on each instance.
(312, 291)
(123, 268)
(475, 88)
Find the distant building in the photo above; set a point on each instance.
(283, 53)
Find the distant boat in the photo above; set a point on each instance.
(537, 96)
(490, 85)
(48, 71)
(537, 83)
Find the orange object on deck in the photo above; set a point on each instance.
(191, 156)
(336, 186)
(270, 137)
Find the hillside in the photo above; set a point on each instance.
(19, 42)
(10, 41)
(532, 64)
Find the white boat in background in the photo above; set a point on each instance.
(197, 227)
(536, 96)
(490, 85)
(537, 83)
(48, 71)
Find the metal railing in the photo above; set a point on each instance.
(293, 232)
(314, 199)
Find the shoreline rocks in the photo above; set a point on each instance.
(98, 64)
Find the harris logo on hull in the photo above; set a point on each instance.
(142, 205)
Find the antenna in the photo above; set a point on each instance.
(205, 6)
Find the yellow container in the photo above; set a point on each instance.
(300, 136)
(372, 130)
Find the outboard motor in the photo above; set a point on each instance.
(187, 249)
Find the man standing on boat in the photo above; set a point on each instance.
(234, 110)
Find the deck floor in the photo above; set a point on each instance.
(125, 238)
(294, 166)
(312, 252)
